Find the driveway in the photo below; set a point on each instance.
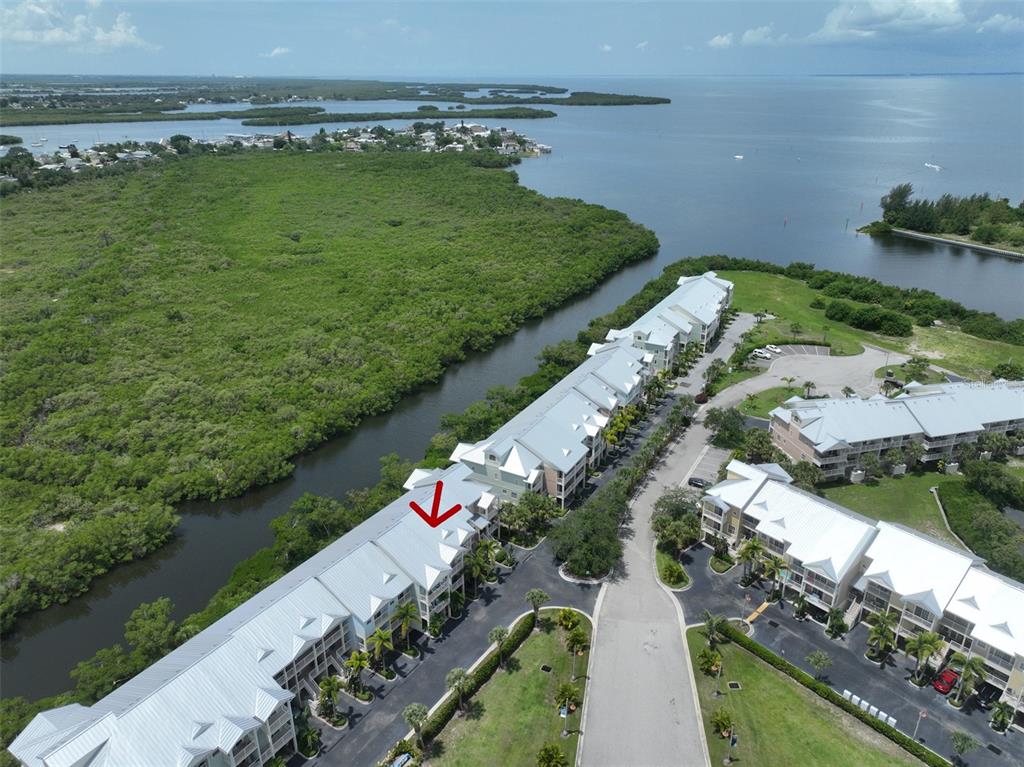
(887, 688)
(641, 709)
(375, 728)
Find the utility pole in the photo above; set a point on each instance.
(922, 714)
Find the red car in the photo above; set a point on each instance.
(945, 681)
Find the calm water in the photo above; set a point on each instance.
(814, 149)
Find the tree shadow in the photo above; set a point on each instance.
(513, 664)
(474, 710)
(434, 749)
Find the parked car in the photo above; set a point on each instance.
(987, 695)
(698, 482)
(761, 354)
(773, 349)
(945, 681)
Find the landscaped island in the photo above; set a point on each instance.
(964, 220)
(182, 331)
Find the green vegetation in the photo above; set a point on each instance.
(915, 369)
(181, 332)
(799, 317)
(672, 573)
(761, 404)
(977, 518)
(6, 139)
(516, 713)
(508, 113)
(903, 500)
(977, 218)
(778, 722)
(75, 116)
(86, 100)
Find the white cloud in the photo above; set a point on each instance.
(605, 48)
(763, 36)
(852, 21)
(721, 41)
(1001, 23)
(642, 46)
(278, 51)
(46, 22)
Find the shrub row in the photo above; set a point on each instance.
(443, 714)
(822, 690)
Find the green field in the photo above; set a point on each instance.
(182, 331)
(515, 713)
(662, 558)
(905, 500)
(765, 401)
(778, 722)
(901, 374)
(789, 301)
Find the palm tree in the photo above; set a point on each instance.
(836, 625)
(551, 755)
(329, 687)
(357, 662)
(881, 637)
(972, 670)
(809, 386)
(714, 628)
(849, 391)
(537, 598)
(774, 567)
(406, 613)
(476, 567)
(457, 680)
(750, 554)
(498, 635)
(415, 714)
(962, 743)
(921, 647)
(378, 642)
(488, 548)
(789, 381)
(800, 605)
(1002, 715)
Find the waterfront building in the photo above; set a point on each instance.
(837, 558)
(836, 434)
(689, 314)
(552, 444)
(226, 697)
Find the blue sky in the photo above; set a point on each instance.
(509, 40)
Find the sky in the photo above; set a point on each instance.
(509, 40)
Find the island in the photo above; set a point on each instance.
(979, 221)
(31, 100)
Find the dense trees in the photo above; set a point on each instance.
(166, 338)
(992, 220)
(872, 318)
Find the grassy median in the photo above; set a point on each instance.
(515, 713)
(780, 723)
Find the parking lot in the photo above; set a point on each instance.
(790, 350)
(707, 466)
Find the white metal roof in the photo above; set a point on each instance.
(934, 411)
(918, 568)
(216, 686)
(995, 605)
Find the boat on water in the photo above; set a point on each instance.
(933, 166)
(737, 157)
(36, 143)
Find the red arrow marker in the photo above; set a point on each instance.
(433, 518)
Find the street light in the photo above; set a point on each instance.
(922, 714)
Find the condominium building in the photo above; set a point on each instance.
(839, 559)
(551, 445)
(689, 314)
(225, 697)
(835, 434)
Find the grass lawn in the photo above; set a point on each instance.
(721, 565)
(905, 500)
(763, 402)
(790, 302)
(664, 558)
(515, 714)
(900, 372)
(780, 723)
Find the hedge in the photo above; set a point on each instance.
(440, 718)
(821, 689)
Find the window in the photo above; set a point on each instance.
(920, 612)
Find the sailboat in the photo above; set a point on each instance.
(737, 157)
